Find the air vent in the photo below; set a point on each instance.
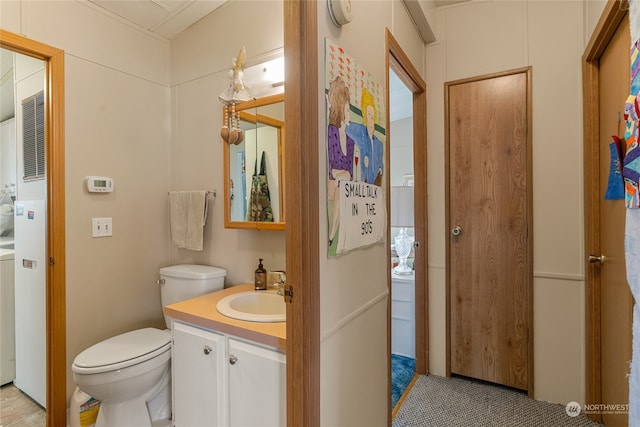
(33, 137)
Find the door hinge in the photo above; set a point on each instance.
(288, 293)
(52, 262)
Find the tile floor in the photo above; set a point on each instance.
(18, 410)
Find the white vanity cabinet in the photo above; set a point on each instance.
(198, 377)
(257, 385)
(222, 380)
(403, 316)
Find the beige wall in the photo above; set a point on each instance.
(353, 287)
(126, 118)
(130, 94)
(200, 60)
(592, 12)
(117, 124)
(488, 36)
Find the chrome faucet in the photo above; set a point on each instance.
(280, 282)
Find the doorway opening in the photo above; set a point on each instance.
(407, 182)
(55, 220)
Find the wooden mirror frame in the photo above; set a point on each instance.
(244, 115)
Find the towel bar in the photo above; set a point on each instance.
(214, 193)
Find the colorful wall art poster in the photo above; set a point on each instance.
(356, 139)
(631, 160)
(632, 231)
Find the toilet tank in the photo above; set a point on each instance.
(182, 282)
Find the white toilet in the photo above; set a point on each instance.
(130, 373)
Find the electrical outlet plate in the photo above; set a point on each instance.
(101, 227)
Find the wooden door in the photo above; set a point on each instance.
(489, 218)
(616, 301)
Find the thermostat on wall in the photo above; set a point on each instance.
(99, 184)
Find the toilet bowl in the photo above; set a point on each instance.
(131, 373)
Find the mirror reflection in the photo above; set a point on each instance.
(254, 168)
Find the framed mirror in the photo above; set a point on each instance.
(254, 169)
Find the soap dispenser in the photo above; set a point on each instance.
(260, 281)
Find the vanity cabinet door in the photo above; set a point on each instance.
(198, 375)
(257, 385)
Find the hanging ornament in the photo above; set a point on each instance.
(233, 132)
(235, 93)
(224, 130)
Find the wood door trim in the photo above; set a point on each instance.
(302, 207)
(399, 62)
(56, 388)
(530, 353)
(612, 15)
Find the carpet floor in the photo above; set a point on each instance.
(402, 371)
(459, 402)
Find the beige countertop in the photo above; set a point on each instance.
(201, 311)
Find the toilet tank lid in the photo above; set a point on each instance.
(193, 271)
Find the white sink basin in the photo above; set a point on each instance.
(254, 306)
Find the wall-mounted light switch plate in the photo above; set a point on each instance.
(101, 227)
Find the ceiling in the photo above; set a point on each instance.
(165, 18)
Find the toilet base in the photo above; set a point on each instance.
(152, 409)
(132, 413)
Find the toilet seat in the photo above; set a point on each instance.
(122, 351)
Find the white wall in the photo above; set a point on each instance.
(8, 152)
(353, 287)
(200, 60)
(592, 12)
(401, 150)
(117, 124)
(482, 37)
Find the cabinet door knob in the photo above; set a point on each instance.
(233, 359)
(207, 350)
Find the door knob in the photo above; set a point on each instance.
(456, 231)
(596, 259)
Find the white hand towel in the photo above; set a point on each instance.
(188, 214)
